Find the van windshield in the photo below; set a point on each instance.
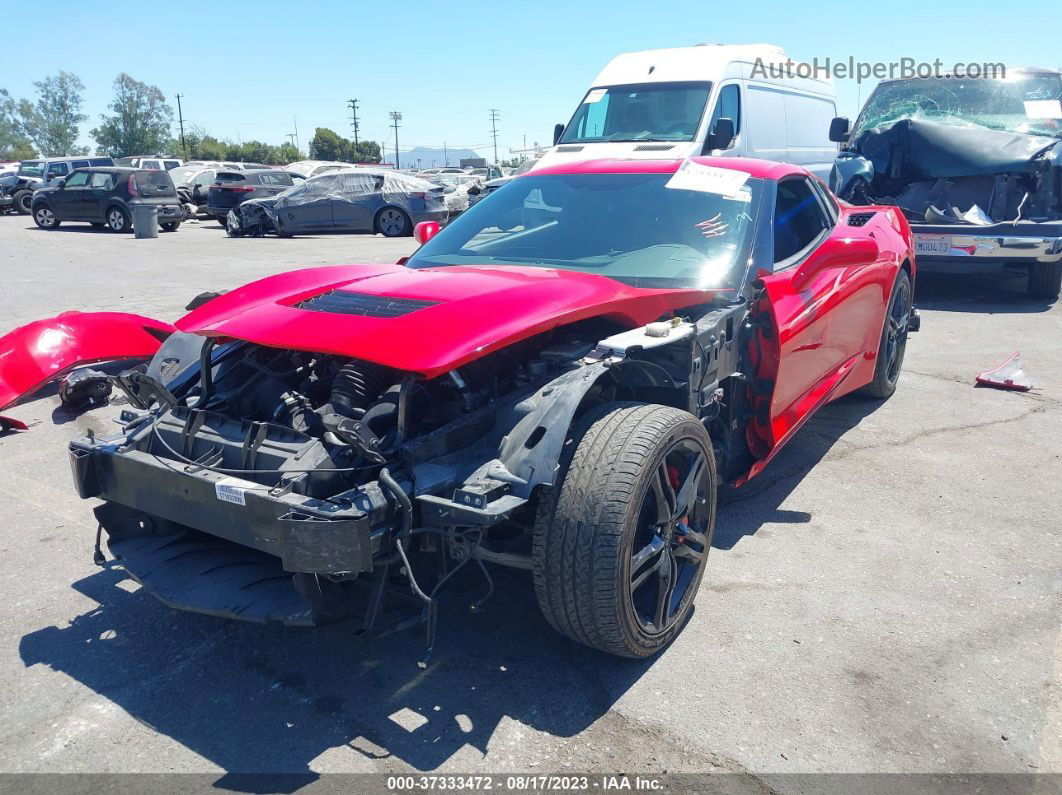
(639, 112)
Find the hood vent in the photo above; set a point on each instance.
(341, 302)
(654, 147)
(569, 148)
(859, 219)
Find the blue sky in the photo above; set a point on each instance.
(250, 70)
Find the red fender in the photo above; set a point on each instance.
(34, 354)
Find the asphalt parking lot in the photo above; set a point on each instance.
(886, 597)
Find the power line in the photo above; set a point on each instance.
(353, 103)
(494, 131)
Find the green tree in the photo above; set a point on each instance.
(14, 145)
(141, 120)
(287, 153)
(329, 145)
(52, 123)
(366, 152)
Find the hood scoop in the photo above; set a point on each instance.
(569, 148)
(654, 147)
(342, 302)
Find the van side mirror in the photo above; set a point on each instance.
(558, 131)
(839, 129)
(721, 136)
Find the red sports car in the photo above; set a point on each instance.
(557, 382)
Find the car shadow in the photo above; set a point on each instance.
(744, 510)
(255, 698)
(984, 293)
(252, 698)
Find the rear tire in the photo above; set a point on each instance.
(223, 220)
(1045, 280)
(118, 219)
(23, 200)
(608, 556)
(170, 227)
(44, 217)
(393, 222)
(893, 343)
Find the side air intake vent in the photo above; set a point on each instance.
(341, 302)
(569, 148)
(859, 219)
(654, 147)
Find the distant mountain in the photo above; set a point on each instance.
(429, 158)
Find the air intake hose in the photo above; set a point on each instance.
(356, 386)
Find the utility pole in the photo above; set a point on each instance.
(353, 103)
(494, 131)
(296, 123)
(446, 157)
(396, 117)
(180, 120)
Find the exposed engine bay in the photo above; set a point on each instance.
(330, 472)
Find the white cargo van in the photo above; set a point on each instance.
(670, 103)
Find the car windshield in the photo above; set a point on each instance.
(31, 168)
(183, 175)
(1023, 103)
(645, 230)
(641, 112)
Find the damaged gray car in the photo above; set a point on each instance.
(974, 164)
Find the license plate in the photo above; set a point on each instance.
(939, 245)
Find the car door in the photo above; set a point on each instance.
(55, 171)
(67, 201)
(823, 301)
(101, 184)
(309, 208)
(352, 210)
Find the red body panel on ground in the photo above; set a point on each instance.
(34, 354)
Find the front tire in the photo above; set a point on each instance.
(118, 220)
(170, 227)
(1045, 280)
(893, 343)
(44, 217)
(393, 222)
(23, 200)
(620, 543)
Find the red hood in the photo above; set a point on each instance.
(442, 318)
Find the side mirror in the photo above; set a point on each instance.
(722, 134)
(425, 231)
(558, 131)
(839, 130)
(60, 183)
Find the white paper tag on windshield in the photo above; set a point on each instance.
(1043, 108)
(232, 490)
(707, 179)
(595, 95)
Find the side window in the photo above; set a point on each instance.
(78, 179)
(56, 170)
(102, 181)
(275, 179)
(833, 210)
(170, 164)
(798, 218)
(728, 105)
(150, 164)
(80, 164)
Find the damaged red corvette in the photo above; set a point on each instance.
(556, 382)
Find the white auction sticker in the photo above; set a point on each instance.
(232, 490)
(1043, 108)
(707, 179)
(595, 96)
